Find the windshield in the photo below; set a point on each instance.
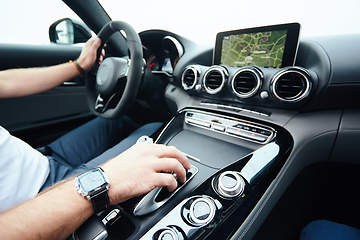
(200, 20)
(193, 19)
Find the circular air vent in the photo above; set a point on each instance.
(291, 85)
(189, 78)
(214, 79)
(246, 82)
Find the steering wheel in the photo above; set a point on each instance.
(113, 87)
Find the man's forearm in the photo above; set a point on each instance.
(51, 215)
(24, 82)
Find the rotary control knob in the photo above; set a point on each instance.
(168, 234)
(202, 211)
(230, 184)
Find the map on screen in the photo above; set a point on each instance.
(263, 49)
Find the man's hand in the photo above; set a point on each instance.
(56, 213)
(142, 168)
(88, 54)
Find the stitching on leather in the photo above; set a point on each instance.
(344, 84)
(281, 175)
(349, 130)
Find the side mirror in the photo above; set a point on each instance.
(69, 31)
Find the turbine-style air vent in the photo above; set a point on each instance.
(189, 78)
(246, 82)
(291, 85)
(214, 79)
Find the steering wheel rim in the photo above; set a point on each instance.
(132, 71)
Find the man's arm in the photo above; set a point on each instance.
(51, 215)
(56, 213)
(24, 82)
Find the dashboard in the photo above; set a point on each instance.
(311, 84)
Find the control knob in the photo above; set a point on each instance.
(202, 211)
(230, 184)
(168, 233)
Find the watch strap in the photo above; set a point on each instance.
(100, 200)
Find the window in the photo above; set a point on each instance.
(28, 22)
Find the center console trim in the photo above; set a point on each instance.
(243, 129)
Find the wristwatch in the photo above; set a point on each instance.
(94, 186)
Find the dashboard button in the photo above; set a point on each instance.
(264, 132)
(236, 128)
(259, 138)
(218, 127)
(235, 131)
(202, 211)
(264, 95)
(199, 122)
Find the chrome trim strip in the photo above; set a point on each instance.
(177, 44)
(103, 235)
(165, 128)
(258, 162)
(191, 157)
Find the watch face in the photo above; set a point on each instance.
(91, 180)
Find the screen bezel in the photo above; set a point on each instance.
(291, 44)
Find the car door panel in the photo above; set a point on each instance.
(21, 56)
(63, 103)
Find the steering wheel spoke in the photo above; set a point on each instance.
(99, 103)
(102, 104)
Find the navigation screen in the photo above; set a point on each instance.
(271, 46)
(260, 49)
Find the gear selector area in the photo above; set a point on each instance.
(160, 195)
(164, 194)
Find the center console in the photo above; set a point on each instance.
(233, 162)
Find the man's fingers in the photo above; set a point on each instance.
(163, 151)
(166, 180)
(96, 43)
(170, 165)
(91, 41)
